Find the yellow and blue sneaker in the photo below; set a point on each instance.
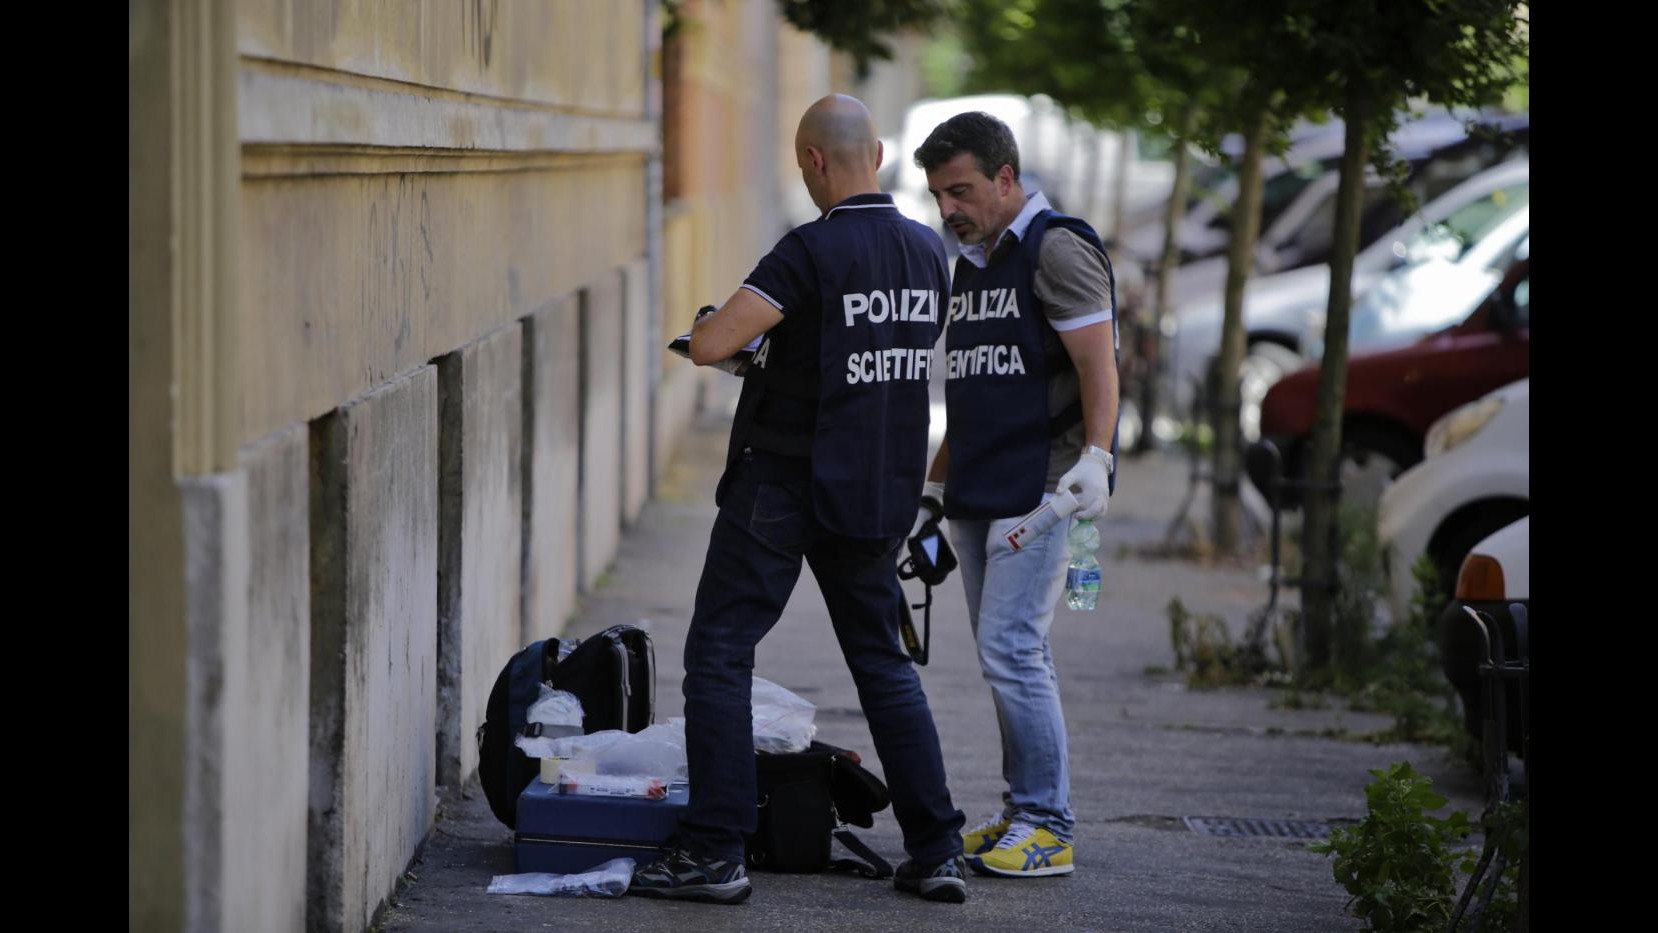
(1025, 851)
(980, 839)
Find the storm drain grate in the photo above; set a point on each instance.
(1273, 829)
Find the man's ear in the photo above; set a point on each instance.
(1005, 180)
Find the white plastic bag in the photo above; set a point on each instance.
(556, 708)
(783, 722)
(559, 714)
(608, 880)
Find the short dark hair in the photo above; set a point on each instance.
(988, 138)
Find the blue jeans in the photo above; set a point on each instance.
(1011, 596)
(765, 527)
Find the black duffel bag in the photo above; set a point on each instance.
(806, 800)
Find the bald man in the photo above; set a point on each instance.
(825, 464)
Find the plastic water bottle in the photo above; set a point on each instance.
(1082, 578)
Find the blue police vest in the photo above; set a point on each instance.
(997, 372)
(861, 413)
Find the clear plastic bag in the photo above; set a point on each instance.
(672, 732)
(636, 755)
(583, 746)
(608, 880)
(783, 722)
(657, 752)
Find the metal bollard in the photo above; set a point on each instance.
(1494, 671)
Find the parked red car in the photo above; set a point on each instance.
(1394, 395)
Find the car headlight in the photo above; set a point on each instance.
(1461, 424)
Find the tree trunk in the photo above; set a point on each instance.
(1119, 193)
(1165, 268)
(1320, 533)
(1246, 227)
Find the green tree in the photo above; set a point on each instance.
(1116, 63)
(1365, 60)
(860, 27)
(1252, 56)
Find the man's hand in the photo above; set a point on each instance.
(1090, 481)
(743, 317)
(932, 506)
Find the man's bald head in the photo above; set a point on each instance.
(837, 150)
(841, 128)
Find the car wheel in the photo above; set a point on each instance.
(1265, 364)
(1453, 542)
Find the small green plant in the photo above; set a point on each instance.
(1400, 863)
(1404, 677)
(1361, 585)
(1393, 669)
(1204, 649)
(1509, 824)
(1295, 699)
(1200, 436)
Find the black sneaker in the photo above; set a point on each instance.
(945, 882)
(684, 876)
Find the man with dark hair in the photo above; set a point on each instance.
(826, 461)
(1031, 407)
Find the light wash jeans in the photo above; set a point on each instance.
(1011, 597)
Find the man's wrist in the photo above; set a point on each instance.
(932, 498)
(1100, 454)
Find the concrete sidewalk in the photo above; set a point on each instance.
(1145, 753)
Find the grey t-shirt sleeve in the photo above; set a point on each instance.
(1071, 281)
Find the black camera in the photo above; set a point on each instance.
(930, 561)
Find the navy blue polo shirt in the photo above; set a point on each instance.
(787, 278)
(841, 382)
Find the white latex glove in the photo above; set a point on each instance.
(934, 491)
(1090, 481)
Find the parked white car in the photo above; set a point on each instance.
(1474, 479)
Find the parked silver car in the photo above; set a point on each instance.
(1459, 262)
(1279, 309)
